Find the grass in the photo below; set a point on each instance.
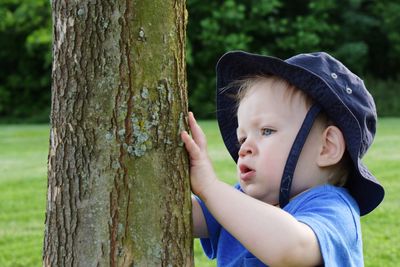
(23, 158)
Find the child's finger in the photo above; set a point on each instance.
(197, 133)
(191, 146)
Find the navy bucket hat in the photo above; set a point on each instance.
(335, 89)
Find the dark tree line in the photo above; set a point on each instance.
(362, 33)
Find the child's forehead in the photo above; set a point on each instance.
(277, 90)
(264, 107)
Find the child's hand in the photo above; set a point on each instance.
(202, 174)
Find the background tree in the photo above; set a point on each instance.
(118, 187)
(25, 60)
(361, 33)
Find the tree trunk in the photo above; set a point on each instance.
(118, 185)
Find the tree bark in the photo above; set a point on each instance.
(118, 185)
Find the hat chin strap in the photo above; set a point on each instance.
(287, 177)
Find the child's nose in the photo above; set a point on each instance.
(246, 149)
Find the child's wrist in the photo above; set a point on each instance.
(208, 188)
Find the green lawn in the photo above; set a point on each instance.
(23, 158)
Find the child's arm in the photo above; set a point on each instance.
(269, 233)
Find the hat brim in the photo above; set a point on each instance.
(238, 65)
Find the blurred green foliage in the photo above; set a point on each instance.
(25, 59)
(362, 33)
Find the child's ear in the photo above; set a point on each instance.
(333, 147)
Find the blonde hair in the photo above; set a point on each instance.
(291, 91)
(343, 168)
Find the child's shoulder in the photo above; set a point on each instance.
(326, 198)
(334, 216)
(326, 190)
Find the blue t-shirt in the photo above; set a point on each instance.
(330, 211)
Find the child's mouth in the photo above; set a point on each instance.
(246, 173)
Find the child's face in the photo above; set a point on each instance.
(268, 122)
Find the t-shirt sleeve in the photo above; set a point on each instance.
(334, 218)
(210, 244)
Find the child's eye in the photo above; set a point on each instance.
(241, 140)
(267, 131)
